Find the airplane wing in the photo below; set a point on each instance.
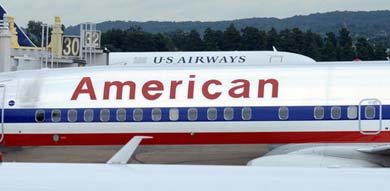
(102, 177)
(327, 155)
(377, 149)
(311, 161)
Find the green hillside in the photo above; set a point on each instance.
(372, 24)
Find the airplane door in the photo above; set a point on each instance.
(370, 116)
(2, 99)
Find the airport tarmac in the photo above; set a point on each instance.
(148, 154)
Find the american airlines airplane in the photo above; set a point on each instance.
(117, 175)
(285, 103)
(270, 97)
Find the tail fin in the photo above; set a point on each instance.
(22, 37)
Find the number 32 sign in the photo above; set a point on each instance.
(92, 39)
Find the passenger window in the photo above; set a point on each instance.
(212, 114)
(335, 112)
(138, 115)
(319, 113)
(156, 114)
(104, 115)
(352, 112)
(121, 114)
(72, 115)
(283, 113)
(88, 115)
(246, 113)
(40, 116)
(228, 114)
(174, 114)
(370, 112)
(192, 114)
(56, 115)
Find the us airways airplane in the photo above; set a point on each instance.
(117, 175)
(206, 57)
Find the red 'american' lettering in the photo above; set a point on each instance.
(154, 89)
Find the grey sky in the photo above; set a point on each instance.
(75, 11)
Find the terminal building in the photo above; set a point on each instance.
(18, 52)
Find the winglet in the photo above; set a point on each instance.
(125, 153)
(274, 49)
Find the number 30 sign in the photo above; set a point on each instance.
(71, 46)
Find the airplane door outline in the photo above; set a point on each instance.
(370, 126)
(2, 93)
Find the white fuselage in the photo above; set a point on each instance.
(205, 58)
(271, 103)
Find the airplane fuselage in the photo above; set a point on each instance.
(225, 104)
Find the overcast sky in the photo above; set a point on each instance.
(76, 11)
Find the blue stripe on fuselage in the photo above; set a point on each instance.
(296, 113)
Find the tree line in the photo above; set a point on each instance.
(34, 31)
(341, 46)
(331, 47)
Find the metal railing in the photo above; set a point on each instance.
(4, 24)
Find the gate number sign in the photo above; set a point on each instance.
(92, 39)
(71, 46)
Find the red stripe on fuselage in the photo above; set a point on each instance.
(197, 138)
